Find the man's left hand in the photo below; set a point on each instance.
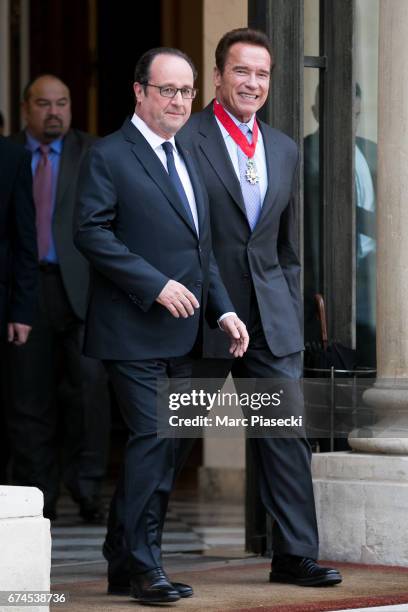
(238, 334)
(18, 333)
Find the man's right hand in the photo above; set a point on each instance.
(18, 333)
(178, 300)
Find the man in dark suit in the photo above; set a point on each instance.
(54, 389)
(18, 263)
(250, 171)
(143, 224)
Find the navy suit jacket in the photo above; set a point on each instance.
(18, 240)
(134, 230)
(265, 260)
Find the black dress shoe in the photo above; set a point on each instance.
(115, 588)
(302, 571)
(153, 587)
(123, 588)
(184, 590)
(91, 510)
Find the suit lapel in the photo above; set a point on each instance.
(213, 147)
(273, 169)
(155, 169)
(71, 152)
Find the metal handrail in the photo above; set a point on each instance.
(333, 371)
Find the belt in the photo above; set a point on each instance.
(47, 267)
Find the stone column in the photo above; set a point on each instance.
(389, 396)
(218, 18)
(362, 497)
(222, 475)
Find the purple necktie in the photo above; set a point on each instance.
(42, 191)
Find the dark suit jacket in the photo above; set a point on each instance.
(313, 218)
(74, 268)
(313, 222)
(18, 241)
(267, 258)
(134, 230)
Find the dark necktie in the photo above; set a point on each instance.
(175, 179)
(42, 192)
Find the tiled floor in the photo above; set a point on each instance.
(194, 530)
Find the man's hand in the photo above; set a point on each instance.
(18, 333)
(178, 300)
(238, 334)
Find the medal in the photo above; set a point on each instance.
(251, 173)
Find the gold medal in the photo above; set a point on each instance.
(251, 173)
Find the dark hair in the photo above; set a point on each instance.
(240, 35)
(27, 88)
(142, 69)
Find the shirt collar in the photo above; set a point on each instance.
(33, 144)
(249, 123)
(154, 140)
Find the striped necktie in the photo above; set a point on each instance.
(42, 192)
(250, 193)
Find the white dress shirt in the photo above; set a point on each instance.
(259, 159)
(365, 199)
(156, 141)
(259, 156)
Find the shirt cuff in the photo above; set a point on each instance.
(226, 314)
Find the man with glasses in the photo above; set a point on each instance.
(142, 221)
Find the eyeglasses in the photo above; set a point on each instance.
(187, 93)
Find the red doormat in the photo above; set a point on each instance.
(325, 606)
(382, 573)
(244, 587)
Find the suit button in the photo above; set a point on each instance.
(200, 250)
(198, 284)
(245, 275)
(135, 299)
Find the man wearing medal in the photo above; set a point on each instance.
(250, 171)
